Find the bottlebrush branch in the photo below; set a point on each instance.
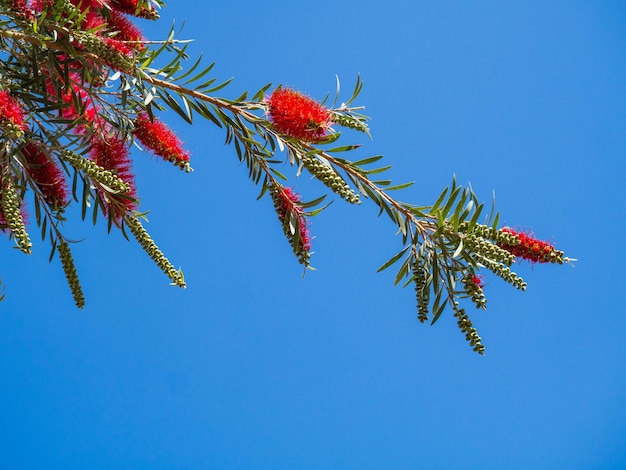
(79, 85)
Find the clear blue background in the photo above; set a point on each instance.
(253, 366)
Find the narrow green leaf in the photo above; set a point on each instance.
(474, 219)
(313, 203)
(450, 202)
(439, 200)
(393, 259)
(403, 271)
(400, 186)
(438, 308)
(344, 148)
(367, 161)
(458, 250)
(495, 221)
(377, 170)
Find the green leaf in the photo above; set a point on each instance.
(495, 221)
(474, 219)
(403, 271)
(198, 76)
(344, 148)
(313, 203)
(439, 200)
(393, 259)
(450, 202)
(400, 186)
(259, 95)
(458, 250)
(438, 308)
(377, 170)
(367, 161)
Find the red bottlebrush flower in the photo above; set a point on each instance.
(11, 112)
(111, 153)
(47, 174)
(91, 4)
(160, 139)
(530, 248)
(125, 30)
(479, 281)
(93, 20)
(119, 46)
(132, 7)
(298, 116)
(70, 112)
(289, 202)
(21, 7)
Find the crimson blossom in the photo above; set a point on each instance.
(531, 249)
(161, 140)
(298, 116)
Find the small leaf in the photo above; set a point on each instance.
(393, 260)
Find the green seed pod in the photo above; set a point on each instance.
(505, 273)
(108, 54)
(345, 120)
(69, 268)
(146, 242)
(489, 250)
(11, 205)
(96, 172)
(327, 175)
(422, 292)
(474, 289)
(471, 334)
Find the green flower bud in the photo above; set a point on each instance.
(146, 242)
(69, 268)
(327, 175)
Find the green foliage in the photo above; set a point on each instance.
(57, 70)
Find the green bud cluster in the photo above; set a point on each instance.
(471, 334)
(422, 292)
(489, 250)
(96, 172)
(69, 268)
(505, 273)
(348, 121)
(557, 256)
(98, 47)
(327, 175)
(11, 208)
(146, 242)
(11, 131)
(497, 235)
(474, 291)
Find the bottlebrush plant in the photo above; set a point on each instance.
(80, 85)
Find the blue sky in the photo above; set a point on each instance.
(253, 366)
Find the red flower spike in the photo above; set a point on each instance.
(126, 30)
(47, 174)
(91, 4)
(21, 7)
(111, 153)
(298, 116)
(529, 248)
(90, 113)
(290, 202)
(11, 112)
(160, 139)
(131, 7)
(479, 281)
